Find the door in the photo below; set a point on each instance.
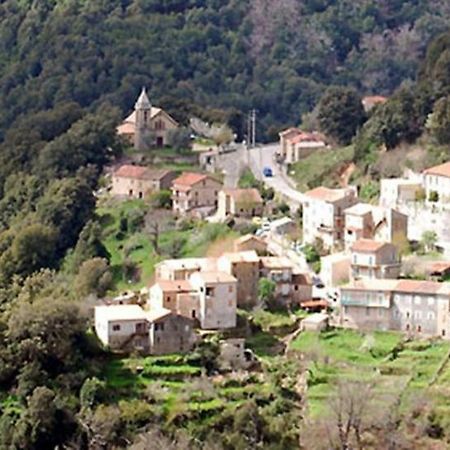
(159, 141)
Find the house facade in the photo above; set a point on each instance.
(399, 191)
(138, 181)
(296, 144)
(131, 328)
(323, 214)
(250, 242)
(373, 259)
(437, 184)
(365, 221)
(335, 269)
(244, 266)
(192, 191)
(147, 126)
(419, 308)
(239, 203)
(218, 299)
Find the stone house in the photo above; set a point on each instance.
(370, 101)
(296, 144)
(279, 270)
(183, 268)
(192, 191)
(373, 259)
(244, 266)
(365, 221)
(323, 214)
(239, 203)
(416, 307)
(437, 181)
(165, 294)
(218, 299)
(234, 356)
(398, 191)
(250, 242)
(131, 328)
(138, 181)
(301, 288)
(147, 126)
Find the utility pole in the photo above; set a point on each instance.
(254, 127)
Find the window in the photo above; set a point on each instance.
(407, 314)
(193, 314)
(430, 301)
(417, 300)
(407, 327)
(430, 315)
(230, 303)
(371, 260)
(417, 314)
(159, 326)
(230, 288)
(210, 291)
(116, 327)
(367, 311)
(419, 328)
(296, 287)
(443, 333)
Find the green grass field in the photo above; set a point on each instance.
(320, 168)
(379, 357)
(136, 247)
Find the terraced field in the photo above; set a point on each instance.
(399, 370)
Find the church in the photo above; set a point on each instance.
(146, 126)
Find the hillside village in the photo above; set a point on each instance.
(331, 261)
(224, 225)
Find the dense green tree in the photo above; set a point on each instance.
(179, 138)
(94, 277)
(439, 121)
(89, 245)
(340, 114)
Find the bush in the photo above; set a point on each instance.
(161, 199)
(434, 196)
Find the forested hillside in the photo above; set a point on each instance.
(69, 70)
(227, 55)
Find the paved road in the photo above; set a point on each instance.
(263, 156)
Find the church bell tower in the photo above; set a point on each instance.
(142, 134)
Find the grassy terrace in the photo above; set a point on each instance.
(381, 357)
(175, 386)
(320, 168)
(136, 247)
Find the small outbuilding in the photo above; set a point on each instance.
(315, 322)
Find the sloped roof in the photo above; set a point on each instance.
(442, 170)
(175, 285)
(244, 195)
(191, 178)
(327, 195)
(250, 237)
(215, 277)
(247, 256)
(368, 245)
(289, 132)
(140, 172)
(153, 315)
(308, 137)
(360, 209)
(121, 312)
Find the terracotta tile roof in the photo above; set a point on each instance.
(418, 286)
(371, 100)
(189, 179)
(327, 194)
(314, 304)
(289, 132)
(388, 285)
(140, 172)
(442, 170)
(244, 195)
(215, 277)
(175, 285)
(438, 267)
(367, 245)
(308, 137)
